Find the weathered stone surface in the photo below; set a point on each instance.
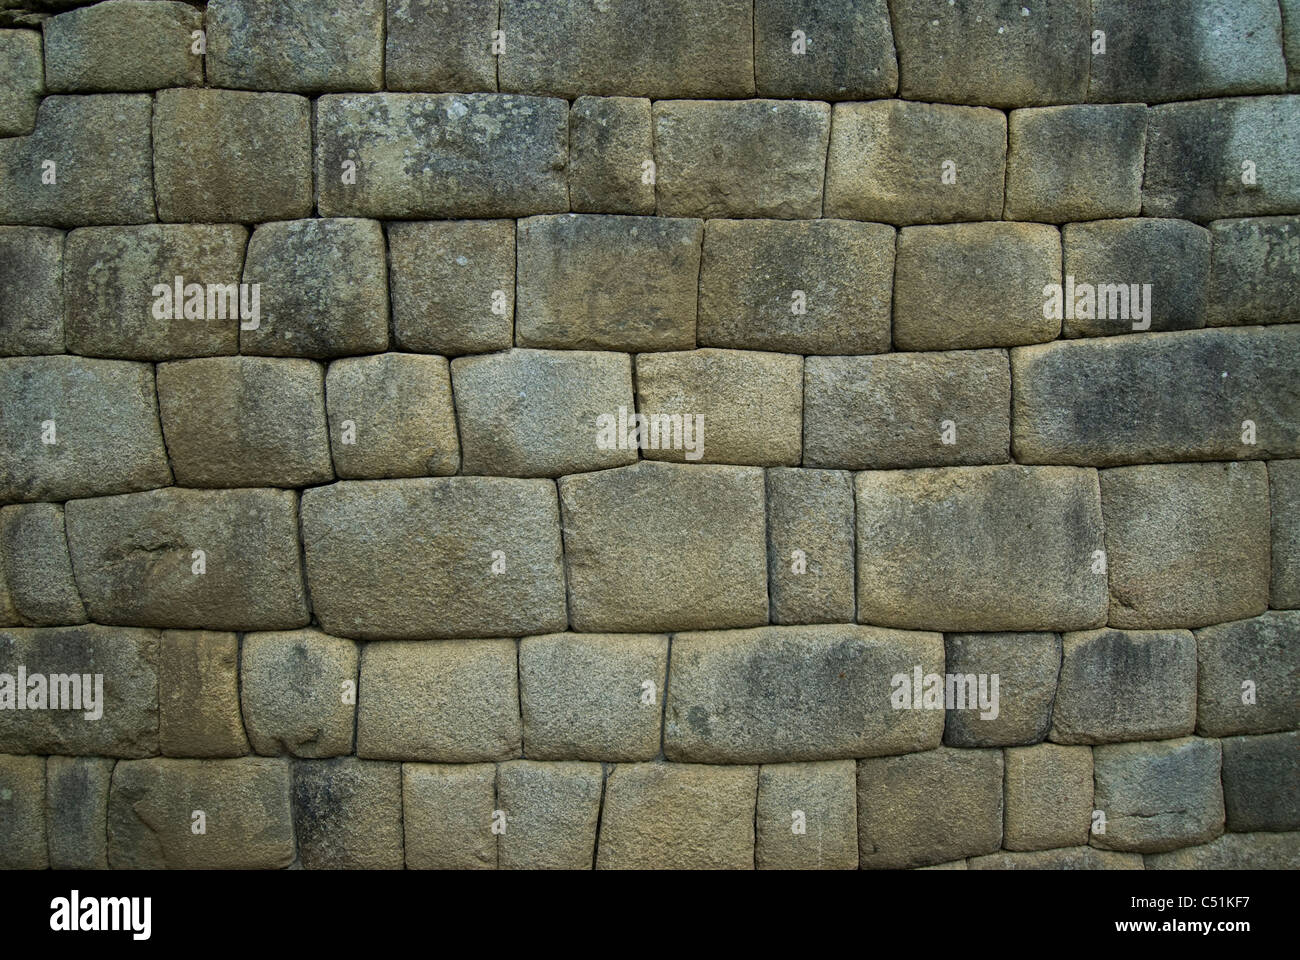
(110, 275)
(451, 702)
(246, 807)
(1116, 258)
(810, 545)
(1048, 797)
(37, 571)
(551, 812)
(807, 816)
(1186, 544)
(448, 533)
(690, 537)
(76, 811)
(937, 548)
(229, 156)
(1234, 851)
(949, 865)
(609, 145)
(1068, 858)
(750, 402)
(441, 155)
(846, 51)
(298, 693)
(22, 814)
(796, 286)
(591, 696)
(968, 285)
(889, 161)
(308, 46)
(1157, 796)
(749, 158)
(31, 289)
(1195, 155)
(78, 428)
(1026, 665)
(1263, 652)
(673, 48)
(1195, 48)
(1261, 782)
(440, 45)
(391, 415)
(742, 696)
(536, 413)
(326, 284)
(123, 45)
(447, 814)
(1256, 269)
(100, 149)
(198, 695)
(903, 410)
(671, 816)
(245, 421)
(1076, 162)
(1284, 492)
(608, 282)
(134, 558)
(347, 814)
(1125, 685)
(1291, 41)
(929, 807)
(1091, 402)
(22, 73)
(991, 52)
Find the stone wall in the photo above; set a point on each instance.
(962, 529)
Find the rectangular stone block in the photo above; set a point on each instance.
(22, 814)
(198, 695)
(478, 557)
(422, 156)
(750, 402)
(669, 49)
(749, 158)
(690, 537)
(451, 702)
(592, 696)
(936, 549)
(122, 46)
(817, 51)
(447, 815)
(76, 811)
(438, 45)
(298, 692)
(1234, 851)
(1048, 797)
(36, 568)
(796, 286)
(551, 814)
(347, 814)
(677, 816)
(1157, 796)
(810, 545)
(1284, 494)
(1186, 544)
(608, 282)
(1291, 42)
(1248, 675)
(741, 696)
(1026, 666)
(31, 288)
(807, 816)
(1091, 402)
(909, 163)
(609, 148)
(78, 428)
(137, 557)
(22, 66)
(1066, 858)
(1256, 269)
(246, 813)
(1261, 782)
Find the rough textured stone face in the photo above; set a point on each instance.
(1026, 665)
(810, 545)
(608, 282)
(741, 696)
(22, 802)
(537, 413)
(551, 814)
(689, 536)
(1234, 851)
(123, 45)
(31, 289)
(916, 162)
(1261, 782)
(807, 816)
(440, 45)
(1186, 544)
(76, 810)
(1284, 491)
(308, 46)
(347, 814)
(36, 568)
(198, 695)
(447, 815)
(480, 557)
(609, 146)
(1157, 796)
(1048, 797)
(846, 51)
(668, 816)
(21, 66)
(936, 547)
(1256, 263)
(796, 286)
(299, 693)
(1068, 858)
(1248, 675)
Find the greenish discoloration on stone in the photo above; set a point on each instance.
(437, 45)
(1261, 782)
(846, 50)
(22, 81)
(123, 46)
(198, 695)
(76, 811)
(1248, 675)
(299, 693)
(1284, 492)
(1256, 269)
(1157, 796)
(31, 290)
(347, 814)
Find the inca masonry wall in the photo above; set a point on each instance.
(628, 434)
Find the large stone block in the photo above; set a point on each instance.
(1157, 796)
(447, 816)
(198, 695)
(31, 289)
(909, 163)
(36, 568)
(1284, 493)
(136, 559)
(1261, 782)
(1048, 797)
(298, 692)
(347, 814)
(609, 147)
(123, 45)
(608, 282)
(76, 811)
(796, 286)
(1248, 675)
(437, 45)
(819, 51)
(1186, 544)
(1256, 269)
(810, 545)
(22, 814)
(1066, 858)
(78, 428)
(23, 71)
(1234, 851)
(551, 814)
(1026, 665)
(742, 696)
(441, 155)
(659, 546)
(807, 816)
(479, 556)
(1291, 42)
(1091, 402)
(937, 548)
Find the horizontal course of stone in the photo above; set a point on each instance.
(325, 329)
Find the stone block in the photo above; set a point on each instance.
(31, 289)
(198, 695)
(347, 814)
(1157, 796)
(37, 571)
(551, 814)
(1248, 675)
(810, 545)
(440, 45)
(447, 815)
(1234, 851)
(1256, 269)
(1026, 665)
(299, 693)
(1048, 797)
(1261, 782)
(1291, 42)
(1284, 493)
(23, 72)
(123, 45)
(816, 51)
(609, 146)
(22, 814)
(1068, 858)
(807, 816)
(76, 811)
